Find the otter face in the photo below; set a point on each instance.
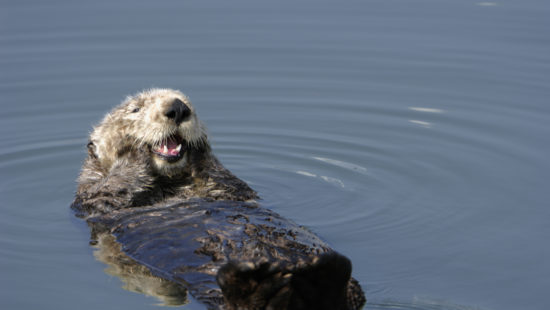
(163, 120)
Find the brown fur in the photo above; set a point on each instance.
(191, 221)
(121, 170)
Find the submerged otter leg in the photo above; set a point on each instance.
(322, 283)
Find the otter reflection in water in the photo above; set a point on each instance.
(151, 183)
(136, 277)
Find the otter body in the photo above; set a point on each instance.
(151, 182)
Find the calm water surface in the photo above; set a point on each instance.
(412, 135)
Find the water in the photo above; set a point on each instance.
(411, 135)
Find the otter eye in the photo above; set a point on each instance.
(135, 110)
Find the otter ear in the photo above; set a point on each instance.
(91, 149)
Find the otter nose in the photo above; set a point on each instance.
(178, 111)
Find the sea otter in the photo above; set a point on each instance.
(151, 183)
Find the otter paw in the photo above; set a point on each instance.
(321, 283)
(318, 283)
(254, 285)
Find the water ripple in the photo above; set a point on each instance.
(418, 304)
(413, 138)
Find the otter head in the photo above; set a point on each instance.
(161, 121)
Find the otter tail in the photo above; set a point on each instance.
(323, 283)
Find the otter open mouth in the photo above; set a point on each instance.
(170, 149)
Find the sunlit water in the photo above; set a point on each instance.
(413, 136)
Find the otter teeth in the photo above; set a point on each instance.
(170, 148)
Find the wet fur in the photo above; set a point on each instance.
(194, 223)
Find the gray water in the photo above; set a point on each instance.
(413, 136)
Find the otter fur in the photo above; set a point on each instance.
(151, 183)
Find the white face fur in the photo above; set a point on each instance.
(148, 119)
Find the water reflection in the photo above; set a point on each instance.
(330, 180)
(427, 110)
(136, 277)
(421, 123)
(342, 164)
(487, 3)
